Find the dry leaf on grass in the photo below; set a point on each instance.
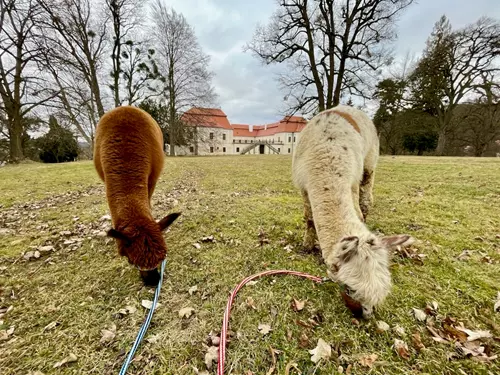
(50, 326)
(251, 303)
(400, 331)
(496, 307)
(401, 348)
(273, 352)
(475, 335)
(6, 333)
(149, 304)
(293, 365)
(419, 314)
(368, 360)
(321, 351)
(211, 356)
(108, 335)
(193, 290)
(127, 310)
(382, 326)
(186, 312)
(197, 245)
(417, 342)
(264, 329)
(69, 359)
(298, 305)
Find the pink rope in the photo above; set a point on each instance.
(225, 321)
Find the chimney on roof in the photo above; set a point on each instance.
(265, 127)
(250, 128)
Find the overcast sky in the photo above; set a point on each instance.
(247, 90)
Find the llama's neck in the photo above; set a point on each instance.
(128, 205)
(334, 215)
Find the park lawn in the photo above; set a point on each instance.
(63, 300)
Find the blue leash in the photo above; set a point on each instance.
(145, 325)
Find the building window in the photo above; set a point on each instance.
(294, 138)
(251, 141)
(224, 136)
(191, 149)
(211, 135)
(289, 139)
(212, 149)
(240, 140)
(279, 150)
(278, 139)
(223, 149)
(245, 141)
(288, 150)
(237, 149)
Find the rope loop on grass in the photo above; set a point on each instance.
(145, 325)
(227, 312)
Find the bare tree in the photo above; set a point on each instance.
(183, 64)
(74, 44)
(141, 76)
(331, 47)
(453, 64)
(21, 88)
(125, 18)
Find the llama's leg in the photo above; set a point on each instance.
(366, 192)
(310, 233)
(366, 187)
(355, 199)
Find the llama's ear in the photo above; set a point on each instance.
(349, 247)
(399, 240)
(168, 220)
(113, 233)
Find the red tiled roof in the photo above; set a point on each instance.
(216, 118)
(208, 117)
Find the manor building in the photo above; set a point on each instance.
(213, 134)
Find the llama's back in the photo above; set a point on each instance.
(128, 142)
(334, 146)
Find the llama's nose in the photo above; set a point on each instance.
(151, 277)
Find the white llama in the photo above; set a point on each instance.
(333, 166)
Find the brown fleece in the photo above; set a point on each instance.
(128, 156)
(347, 117)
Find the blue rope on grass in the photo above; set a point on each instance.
(145, 325)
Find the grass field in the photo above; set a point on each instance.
(60, 302)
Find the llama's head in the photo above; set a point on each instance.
(361, 266)
(144, 246)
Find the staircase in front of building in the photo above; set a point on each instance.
(253, 145)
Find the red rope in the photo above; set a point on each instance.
(225, 321)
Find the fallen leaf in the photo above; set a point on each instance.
(69, 359)
(417, 341)
(382, 326)
(273, 356)
(496, 307)
(321, 351)
(198, 372)
(50, 326)
(211, 356)
(475, 335)
(208, 239)
(348, 369)
(35, 373)
(153, 339)
(401, 348)
(400, 331)
(193, 290)
(149, 304)
(298, 305)
(304, 341)
(288, 248)
(454, 332)
(291, 365)
(186, 312)
(264, 329)
(197, 245)
(368, 360)
(250, 303)
(419, 314)
(108, 335)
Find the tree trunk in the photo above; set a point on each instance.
(441, 143)
(16, 135)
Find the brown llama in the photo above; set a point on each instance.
(128, 156)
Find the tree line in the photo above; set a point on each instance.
(71, 60)
(75, 59)
(446, 102)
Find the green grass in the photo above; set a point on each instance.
(446, 203)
